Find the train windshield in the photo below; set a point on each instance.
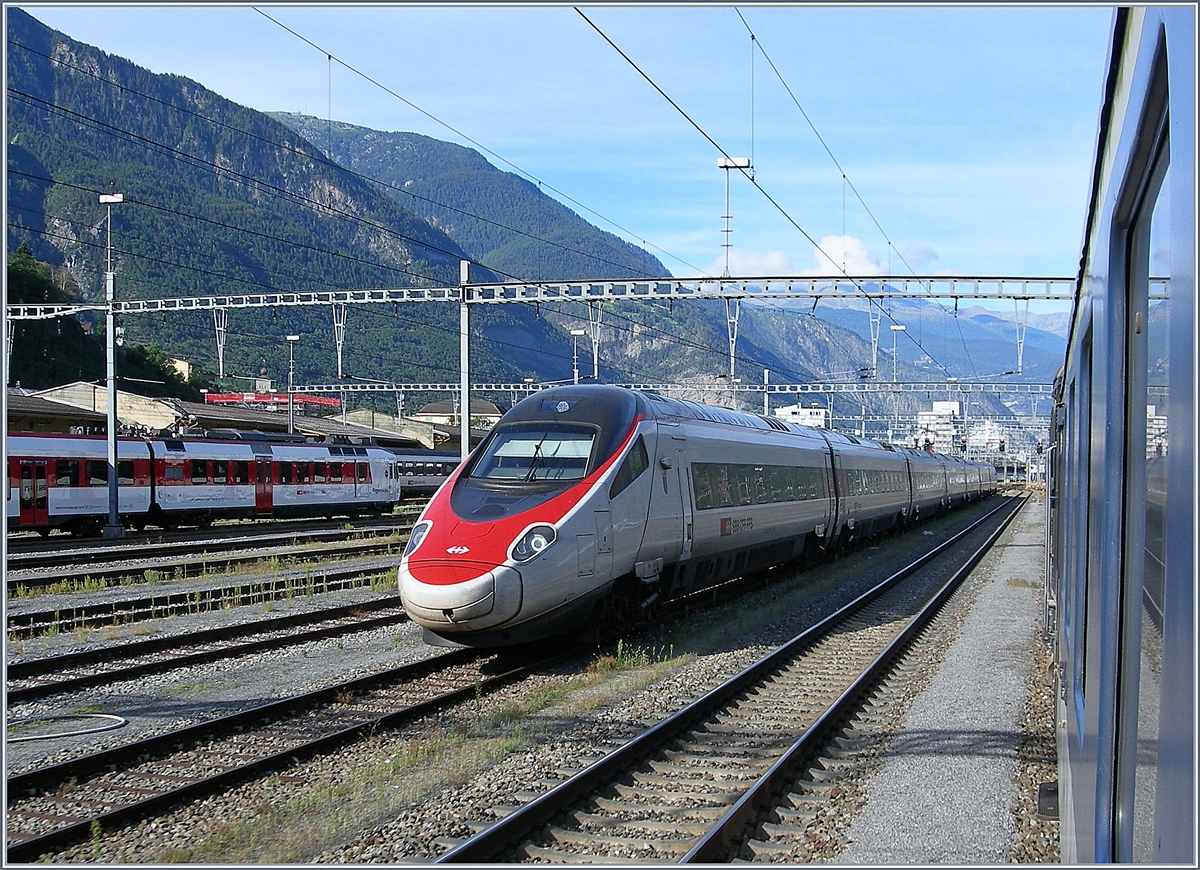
(524, 454)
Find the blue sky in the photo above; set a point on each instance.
(968, 131)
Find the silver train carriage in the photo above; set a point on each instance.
(1122, 483)
(589, 505)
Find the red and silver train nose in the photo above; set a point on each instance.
(465, 596)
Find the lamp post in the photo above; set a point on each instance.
(291, 340)
(113, 529)
(575, 333)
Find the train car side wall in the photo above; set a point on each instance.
(1124, 516)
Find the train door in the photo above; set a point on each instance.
(668, 528)
(685, 497)
(34, 506)
(263, 491)
(1143, 754)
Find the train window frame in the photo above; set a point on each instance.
(125, 472)
(363, 472)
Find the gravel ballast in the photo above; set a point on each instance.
(404, 797)
(951, 774)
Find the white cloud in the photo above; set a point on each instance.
(752, 264)
(920, 255)
(836, 253)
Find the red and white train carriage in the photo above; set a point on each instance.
(61, 481)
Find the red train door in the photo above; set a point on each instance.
(263, 503)
(34, 508)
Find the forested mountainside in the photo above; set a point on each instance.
(499, 218)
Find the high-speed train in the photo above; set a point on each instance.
(1121, 581)
(589, 505)
(61, 481)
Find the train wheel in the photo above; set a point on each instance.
(611, 616)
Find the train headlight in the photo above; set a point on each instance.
(532, 542)
(420, 530)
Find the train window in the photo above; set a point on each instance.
(303, 472)
(285, 472)
(240, 472)
(199, 472)
(96, 472)
(173, 472)
(335, 472)
(743, 475)
(631, 468)
(541, 453)
(760, 486)
(364, 472)
(220, 472)
(721, 485)
(125, 472)
(319, 472)
(66, 472)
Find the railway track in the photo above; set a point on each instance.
(30, 546)
(55, 807)
(41, 678)
(141, 570)
(95, 556)
(688, 789)
(218, 595)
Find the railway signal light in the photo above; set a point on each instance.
(1039, 445)
(1001, 445)
(962, 444)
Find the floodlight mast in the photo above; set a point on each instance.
(728, 163)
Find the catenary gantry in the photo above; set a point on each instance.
(874, 289)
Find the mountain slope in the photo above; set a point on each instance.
(218, 199)
(502, 220)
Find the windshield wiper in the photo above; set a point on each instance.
(537, 456)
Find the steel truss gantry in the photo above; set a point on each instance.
(874, 289)
(712, 386)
